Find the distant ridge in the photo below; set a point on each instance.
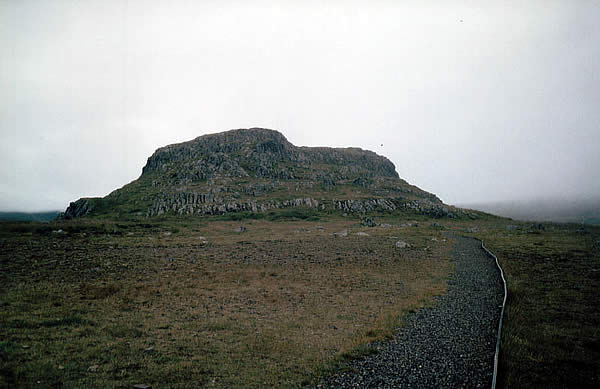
(257, 170)
(29, 216)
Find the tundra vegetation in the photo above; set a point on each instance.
(551, 333)
(182, 303)
(175, 302)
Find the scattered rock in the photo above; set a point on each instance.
(241, 229)
(149, 349)
(141, 386)
(361, 233)
(93, 368)
(61, 367)
(168, 233)
(385, 225)
(472, 229)
(25, 346)
(402, 244)
(59, 232)
(409, 224)
(341, 234)
(367, 222)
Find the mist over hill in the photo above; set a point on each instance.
(575, 210)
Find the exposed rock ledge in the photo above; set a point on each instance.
(192, 203)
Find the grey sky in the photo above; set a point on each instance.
(471, 100)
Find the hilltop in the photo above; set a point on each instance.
(256, 170)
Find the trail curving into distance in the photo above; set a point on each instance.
(451, 344)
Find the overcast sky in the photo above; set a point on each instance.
(472, 100)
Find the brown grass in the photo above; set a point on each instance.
(275, 306)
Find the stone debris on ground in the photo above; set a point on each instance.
(402, 244)
(368, 222)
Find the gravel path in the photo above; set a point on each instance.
(448, 345)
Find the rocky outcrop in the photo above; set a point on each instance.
(257, 170)
(79, 208)
(210, 204)
(203, 204)
(262, 153)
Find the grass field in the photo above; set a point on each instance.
(179, 304)
(551, 335)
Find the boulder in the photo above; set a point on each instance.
(402, 244)
(341, 234)
(367, 222)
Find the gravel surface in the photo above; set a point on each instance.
(448, 345)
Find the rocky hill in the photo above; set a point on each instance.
(257, 170)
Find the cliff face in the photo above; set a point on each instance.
(256, 170)
(263, 154)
